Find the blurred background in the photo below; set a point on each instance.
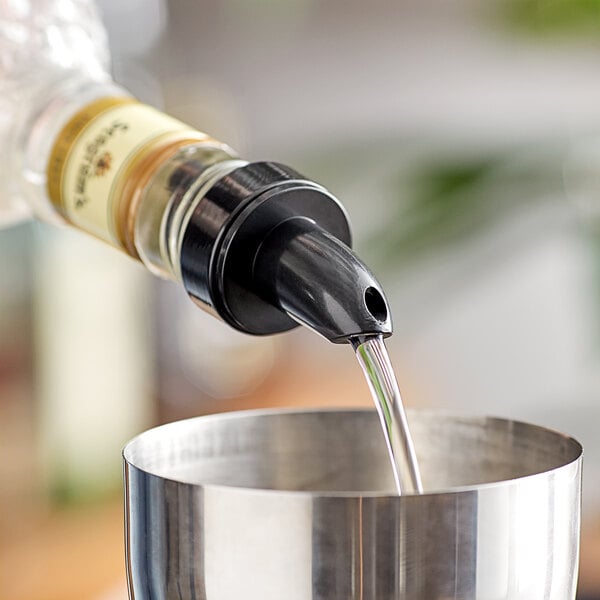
(463, 137)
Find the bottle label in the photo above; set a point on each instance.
(94, 152)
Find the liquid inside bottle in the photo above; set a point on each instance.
(377, 368)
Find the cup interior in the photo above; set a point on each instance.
(342, 451)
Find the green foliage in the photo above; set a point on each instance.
(444, 206)
(446, 202)
(551, 17)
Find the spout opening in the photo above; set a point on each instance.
(375, 304)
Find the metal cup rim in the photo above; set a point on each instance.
(455, 490)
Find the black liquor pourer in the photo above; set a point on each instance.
(268, 249)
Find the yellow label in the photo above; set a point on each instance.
(92, 155)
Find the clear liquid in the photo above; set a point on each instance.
(377, 367)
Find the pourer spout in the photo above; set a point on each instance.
(319, 282)
(268, 249)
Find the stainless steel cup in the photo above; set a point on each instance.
(299, 505)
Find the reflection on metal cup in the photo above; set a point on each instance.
(300, 505)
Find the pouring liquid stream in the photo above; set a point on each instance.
(377, 368)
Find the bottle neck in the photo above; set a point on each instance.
(168, 201)
(129, 175)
